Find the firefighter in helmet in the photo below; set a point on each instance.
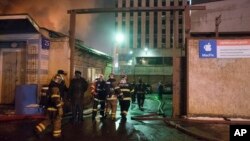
(54, 112)
(124, 96)
(99, 92)
(59, 81)
(111, 104)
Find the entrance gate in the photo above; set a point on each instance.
(176, 61)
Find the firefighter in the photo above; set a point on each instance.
(111, 104)
(54, 112)
(59, 81)
(99, 92)
(77, 88)
(124, 96)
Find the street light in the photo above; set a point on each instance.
(119, 38)
(146, 50)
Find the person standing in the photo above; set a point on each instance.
(99, 92)
(133, 94)
(124, 95)
(78, 86)
(140, 90)
(160, 90)
(111, 105)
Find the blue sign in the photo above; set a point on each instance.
(207, 49)
(45, 43)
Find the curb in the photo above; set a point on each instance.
(186, 131)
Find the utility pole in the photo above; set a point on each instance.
(72, 42)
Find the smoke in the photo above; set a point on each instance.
(52, 14)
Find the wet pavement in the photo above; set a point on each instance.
(131, 130)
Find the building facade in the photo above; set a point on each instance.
(148, 40)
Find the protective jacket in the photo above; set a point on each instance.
(111, 105)
(99, 92)
(124, 94)
(54, 112)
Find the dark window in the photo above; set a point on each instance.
(180, 13)
(180, 40)
(147, 26)
(116, 4)
(155, 41)
(139, 41)
(147, 3)
(155, 3)
(163, 31)
(168, 61)
(153, 60)
(131, 35)
(124, 3)
(180, 30)
(131, 14)
(163, 3)
(163, 22)
(139, 3)
(123, 14)
(171, 3)
(131, 3)
(180, 21)
(163, 40)
(155, 22)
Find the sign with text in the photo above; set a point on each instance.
(224, 48)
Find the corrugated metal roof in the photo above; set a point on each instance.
(80, 45)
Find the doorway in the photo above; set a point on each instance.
(13, 73)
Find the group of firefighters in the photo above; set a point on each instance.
(106, 93)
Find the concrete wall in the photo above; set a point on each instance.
(84, 60)
(234, 16)
(217, 87)
(59, 57)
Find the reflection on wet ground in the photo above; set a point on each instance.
(101, 130)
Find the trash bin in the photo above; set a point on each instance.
(26, 100)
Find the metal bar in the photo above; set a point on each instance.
(134, 9)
